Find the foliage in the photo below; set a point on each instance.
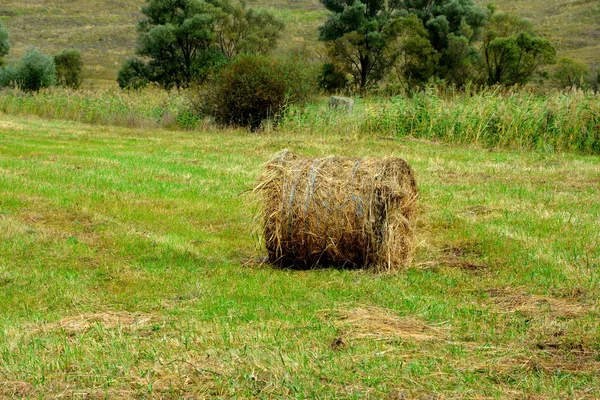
(185, 40)
(133, 74)
(4, 42)
(511, 51)
(361, 39)
(242, 30)
(69, 68)
(417, 58)
(8, 76)
(252, 89)
(570, 72)
(331, 79)
(453, 27)
(36, 70)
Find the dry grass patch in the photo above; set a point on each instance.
(15, 389)
(79, 324)
(381, 324)
(510, 300)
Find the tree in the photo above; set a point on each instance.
(133, 74)
(417, 57)
(453, 27)
(361, 38)
(184, 40)
(242, 30)
(35, 71)
(511, 51)
(69, 68)
(4, 43)
(570, 72)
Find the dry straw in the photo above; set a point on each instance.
(341, 211)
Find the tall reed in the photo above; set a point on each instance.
(558, 121)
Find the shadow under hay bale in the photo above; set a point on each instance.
(338, 211)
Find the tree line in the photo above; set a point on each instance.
(221, 48)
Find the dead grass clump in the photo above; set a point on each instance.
(510, 300)
(377, 323)
(342, 211)
(81, 323)
(15, 389)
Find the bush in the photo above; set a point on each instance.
(8, 77)
(36, 70)
(570, 72)
(331, 79)
(133, 74)
(253, 88)
(69, 68)
(4, 43)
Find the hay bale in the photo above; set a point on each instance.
(341, 211)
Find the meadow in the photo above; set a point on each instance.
(131, 264)
(130, 267)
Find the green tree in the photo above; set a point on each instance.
(453, 27)
(243, 30)
(417, 57)
(4, 43)
(511, 51)
(69, 68)
(35, 71)
(361, 38)
(184, 40)
(570, 72)
(133, 74)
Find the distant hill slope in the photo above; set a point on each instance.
(104, 30)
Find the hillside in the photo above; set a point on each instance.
(104, 30)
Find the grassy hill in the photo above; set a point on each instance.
(104, 30)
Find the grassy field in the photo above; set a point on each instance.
(104, 30)
(129, 268)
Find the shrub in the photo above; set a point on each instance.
(253, 88)
(4, 43)
(570, 72)
(133, 74)
(8, 77)
(69, 68)
(331, 79)
(36, 70)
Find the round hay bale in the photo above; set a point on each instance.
(339, 211)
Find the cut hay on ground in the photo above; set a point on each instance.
(81, 323)
(341, 211)
(380, 324)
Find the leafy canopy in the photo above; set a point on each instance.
(69, 68)
(185, 39)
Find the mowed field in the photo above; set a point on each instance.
(104, 30)
(129, 268)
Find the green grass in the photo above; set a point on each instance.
(128, 268)
(105, 33)
(557, 121)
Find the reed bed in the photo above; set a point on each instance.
(556, 121)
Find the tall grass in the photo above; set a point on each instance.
(150, 109)
(559, 121)
(556, 121)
